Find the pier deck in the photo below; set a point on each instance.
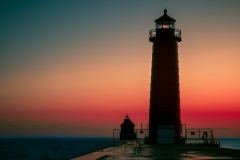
(174, 152)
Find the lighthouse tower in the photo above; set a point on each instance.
(164, 92)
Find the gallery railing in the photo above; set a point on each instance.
(177, 33)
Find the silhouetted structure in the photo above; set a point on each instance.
(164, 94)
(127, 130)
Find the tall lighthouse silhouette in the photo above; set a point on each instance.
(164, 90)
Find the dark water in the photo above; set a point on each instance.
(233, 143)
(65, 148)
(49, 148)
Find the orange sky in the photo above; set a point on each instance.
(77, 69)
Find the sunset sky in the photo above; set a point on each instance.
(76, 68)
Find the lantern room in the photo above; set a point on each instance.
(165, 29)
(165, 21)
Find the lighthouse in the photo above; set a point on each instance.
(164, 89)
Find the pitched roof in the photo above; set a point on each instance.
(165, 17)
(127, 122)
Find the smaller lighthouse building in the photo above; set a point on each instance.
(127, 129)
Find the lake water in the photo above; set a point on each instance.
(233, 143)
(49, 148)
(64, 148)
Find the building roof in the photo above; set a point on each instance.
(127, 122)
(165, 17)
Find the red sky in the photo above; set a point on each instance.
(76, 69)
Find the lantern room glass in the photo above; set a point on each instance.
(165, 24)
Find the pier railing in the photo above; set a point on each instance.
(201, 136)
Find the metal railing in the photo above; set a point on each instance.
(152, 33)
(177, 33)
(201, 136)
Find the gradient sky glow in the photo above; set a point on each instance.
(76, 68)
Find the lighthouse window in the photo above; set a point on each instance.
(172, 26)
(165, 26)
(158, 25)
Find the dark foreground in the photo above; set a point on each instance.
(136, 150)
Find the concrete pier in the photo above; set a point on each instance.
(136, 150)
